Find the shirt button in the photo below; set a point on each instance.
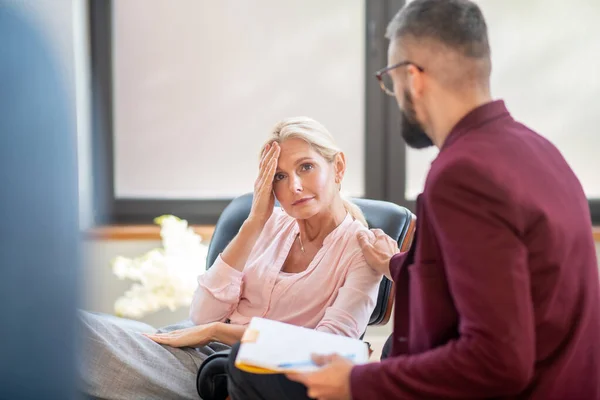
(402, 339)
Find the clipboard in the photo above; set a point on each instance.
(272, 347)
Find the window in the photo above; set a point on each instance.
(184, 94)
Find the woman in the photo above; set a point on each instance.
(299, 264)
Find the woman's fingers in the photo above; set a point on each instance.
(165, 334)
(268, 173)
(268, 154)
(272, 168)
(263, 157)
(157, 338)
(264, 164)
(170, 338)
(272, 156)
(262, 176)
(262, 204)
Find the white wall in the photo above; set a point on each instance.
(201, 83)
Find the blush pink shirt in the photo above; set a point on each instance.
(336, 293)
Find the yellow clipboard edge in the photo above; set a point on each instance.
(264, 371)
(255, 370)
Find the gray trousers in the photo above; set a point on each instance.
(118, 362)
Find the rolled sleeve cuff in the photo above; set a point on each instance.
(397, 262)
(221, 278)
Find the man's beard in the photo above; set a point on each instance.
(412, 132)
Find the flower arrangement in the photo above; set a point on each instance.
(166, 277)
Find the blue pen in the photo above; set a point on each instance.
(307, 362)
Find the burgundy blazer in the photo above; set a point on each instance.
(499, 295)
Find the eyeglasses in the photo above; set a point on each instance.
(385, 80)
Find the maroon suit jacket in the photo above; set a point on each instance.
(499, 295)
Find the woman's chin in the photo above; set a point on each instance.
(302, 212)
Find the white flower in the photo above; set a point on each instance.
(166, 276)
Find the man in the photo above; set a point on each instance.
(499, 295)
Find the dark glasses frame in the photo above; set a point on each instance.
(379, 74)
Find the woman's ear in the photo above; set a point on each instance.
(339, 166)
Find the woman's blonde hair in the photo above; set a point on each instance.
(319, 138)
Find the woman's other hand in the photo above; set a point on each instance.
(264, 199)
(195, 336)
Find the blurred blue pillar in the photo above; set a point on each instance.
(39, 234)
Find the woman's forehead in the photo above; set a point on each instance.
(293, 150)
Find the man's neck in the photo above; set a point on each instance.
(453, 109)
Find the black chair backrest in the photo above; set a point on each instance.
(394, 220)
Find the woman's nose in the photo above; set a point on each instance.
(296, 184)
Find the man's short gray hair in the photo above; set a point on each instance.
(457, 24)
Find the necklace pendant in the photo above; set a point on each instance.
(300, 241)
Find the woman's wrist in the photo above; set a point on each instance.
(237, 252)
(253, 225)
(215, 331)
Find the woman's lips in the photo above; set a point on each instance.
(302, 201)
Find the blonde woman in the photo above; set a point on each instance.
(300, 263)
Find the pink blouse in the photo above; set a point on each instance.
(336, 293)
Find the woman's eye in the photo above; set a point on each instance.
(307, 167)
(278, 177)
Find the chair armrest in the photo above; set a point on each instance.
(211, 380)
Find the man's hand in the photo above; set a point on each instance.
(378, 248)
(195, 336)
(331, 382)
